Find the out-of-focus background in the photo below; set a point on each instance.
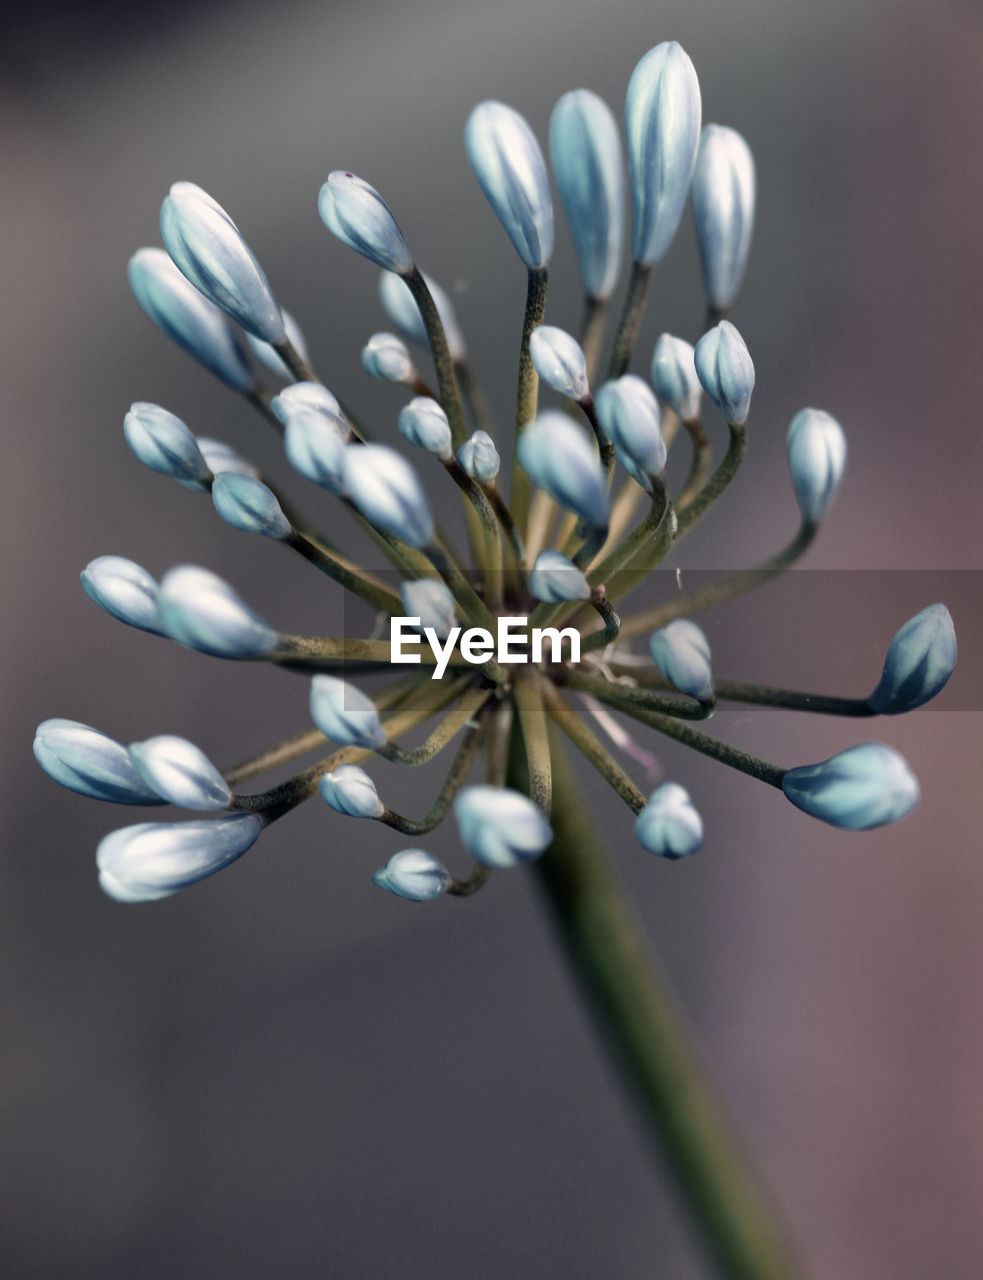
(283, 1071)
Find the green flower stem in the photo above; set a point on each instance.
(421, 388)
(527, 394)
(638, 1018)
(477, 404)
(465, 709)
(590, 547)
(626, 698)
(767, 696)
(295, 362)
(465, 888)
(450, 395)
(592, 332)
(595, 751)
(527, 691)
(504, 517)
(717, 483)
(699, 467)
(542, 513)
(491, 561)
(300, 650)
(631, 318)
(604, 445)
(722, 589)
(655, 532)
(455, 779)
(358, 581)
(498, 744)
(461, 589)
(612, 623)
(260, 398)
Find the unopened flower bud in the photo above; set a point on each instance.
(220, 457)
(90, 763)
(816, 449)
(559, 361)
(431, 601)
(351, 791)
(674, 376)
(558, 457)
(726, 371)
(249, 505)
(682, 653)
(401, 308)
(478, 457)
(386, 357)
(585, 152)
(424, 424)
(920, 659)
(345, 714)
(315, 446)
(205, 245)
(500, 827)
(202, 612)
(510, 169)
(413, 874)
(662, 126)
(866, 786)
(723, 211)
(360, 218)
(125, 590)
(166, 445)
(180, 772)
(386, 490)
(669, 825)
(310, 396)
(155, 859)
(629, 414)
(554, 579)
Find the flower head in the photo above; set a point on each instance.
(919, 662)
(510, 169)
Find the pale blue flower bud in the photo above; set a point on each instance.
(220, 457)
(662, 126)
(125, 590)
(202, 612)
(87, 761)
(554, 578)
(360, 218)
(682, 653)
(310, 396)
(722, 198)
(585, 152)
(501, 828)
(386, 357)
(424, 424)
(155, 859)
(432, 602)
(180, 772)
(413, 874)
(269, 358)
(629, 414)
(726, 371)
(559, 458)
(351, 791)
(920, 659)
(401, 308)
(315, 446)
(166, 445)
(248, 504)
(816, 449)
(559, 361)
(385, 489)
(478, 457)
(205, 245)
(669, 825)
(345, 714)
(674, 376)
(194, 323)
(510, 169)
(866, 786)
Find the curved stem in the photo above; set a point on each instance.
(527, 394)
(631, 318)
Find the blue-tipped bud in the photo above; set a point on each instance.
(188, 318)
(629, 414)
(205, 244)
(310, 396)
(220, 457)
(268, 357)
(386, 357)
(669, 825)
(478, 457)
(202, 612)
(351, 791)
(248, 504)
(401, 308)
(125, 590)
(424, 424)
(726, 371)
(585, 152)
(662, 127)
(360, 218)
(345, 714)
(554, 579)
(866, 786)
(722, 199)
(315, 446)
(682, 653)
(559, 458)
(413, 874)
(88, 762)
(816, 449)
(166, 445)
(155, 859)
(920, 659)
(180, 772)
(559, 361)
(674, 376)
(431, 601)
(501, 828)
(511, 171)
(386, 490)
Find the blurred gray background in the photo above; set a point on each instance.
(283, 1071)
